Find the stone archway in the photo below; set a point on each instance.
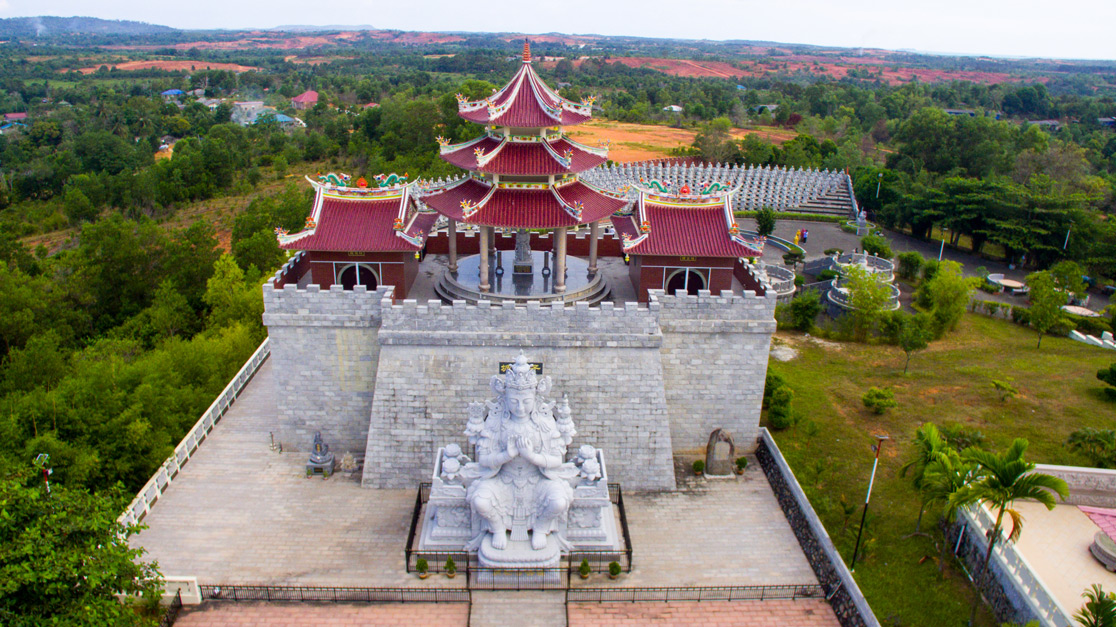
(686, 281)
(357, 274)
(720, 454)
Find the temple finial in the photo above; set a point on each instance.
(526, 51)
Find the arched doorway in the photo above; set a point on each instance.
(353, 275)
(685, 280)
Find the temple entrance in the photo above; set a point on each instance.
(685, 280)
(357, 275)
(720, 454)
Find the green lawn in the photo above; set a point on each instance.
(949, 383)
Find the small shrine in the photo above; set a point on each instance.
(685, 240)
(520, 504)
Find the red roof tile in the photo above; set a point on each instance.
(356, 225)
(524, 208)
(526, 101)
(306, 96)
(523, 158)
(695, 231)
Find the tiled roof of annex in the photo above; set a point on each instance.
(678, 225)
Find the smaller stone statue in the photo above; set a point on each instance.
(321, 460)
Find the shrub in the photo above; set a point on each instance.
(793, 257)
(929, 269)
(1109, 376)
(741, 463)
(826, 275)
(699, 467)
(779, 414)
(1005, 389)
(909, 265)
(614, 569)
(804, 309)
(876, 245)
(799, 281)
(783, 317)
(1099, 445)
(422, 566)
(583, 570)
(849, 228)
(832, 251)
(765, 221)
(878, 400)
(961, 438)
(772, 382)
(1089, 326)
(992, 307)
(1020, 315)
(451, 566)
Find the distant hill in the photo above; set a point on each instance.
(310, 28)
(46, 26)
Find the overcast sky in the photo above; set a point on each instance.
(1074, 29)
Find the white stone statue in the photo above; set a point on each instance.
(522, 482)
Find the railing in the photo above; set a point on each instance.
(334, 594)
(1011, 563)
(599, 559)
(844, 596)
(173, 609)
(161, 480)
(855, 209)
(710, 593)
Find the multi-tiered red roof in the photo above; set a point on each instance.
(691, 225)
(523, 143)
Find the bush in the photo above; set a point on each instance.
(699, 467)
(422, 565)
(832, 251)
(779, 415)
(804, 309)
(849, 228)
(1089, 326)
(1108, 376)
(929, 269)
(961, 438)
(741, 463)
(792, 258)
(876, 245)
(451, 566)
(765, 221)
(1020, 315)
(826, 275)
(878, 400)
(583, 570)
(799, 281)
(909, 265)
(772, 382)
(614, 569)
(1005, 389)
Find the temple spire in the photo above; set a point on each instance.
(526, 51)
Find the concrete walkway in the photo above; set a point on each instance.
(499, 608)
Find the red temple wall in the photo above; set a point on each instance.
(394, 268)
(650, 272)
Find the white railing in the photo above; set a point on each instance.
(1030, 585)
(158, 483)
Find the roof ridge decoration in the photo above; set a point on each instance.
(600, 152)
(387, 185)
(483, 158)
(575, 208)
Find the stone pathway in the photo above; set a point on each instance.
(224, 614)
(498, 608)
(801, 613)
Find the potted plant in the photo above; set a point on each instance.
(451, 568)
(741, 464)
(699, 467)
(422, 568)
(613, 570)
(583, 570)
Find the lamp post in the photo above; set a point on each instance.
(868, 497)
(1068, 229)
(942, 249)
(879, 181)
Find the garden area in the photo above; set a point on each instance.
(985, 383)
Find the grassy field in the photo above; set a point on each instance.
(949, 383)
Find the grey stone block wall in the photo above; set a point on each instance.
(714, 358)
(437, 359)
(324, 350)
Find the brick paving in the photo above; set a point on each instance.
(498, 608)
(223, 614)
(800, 613)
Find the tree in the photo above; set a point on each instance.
(1067, 276)
(1046, 303)
(949, 292)
(1108, 376)
(715, 143)
(876, 245)
(64, 557)
(1005, 478)
(804, 309)
(1099, 445)
(1099, 609)
(944, 476)
(928, 445)
(909, 265)
(765, 221)
(878, 400)
(915, 333)
(869, 297)
(230, 296)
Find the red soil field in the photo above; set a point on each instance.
(172, 66)
(287, 41)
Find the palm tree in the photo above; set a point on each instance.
(1004, 479)
(947, 474)
(1099, 609)
(928, 445)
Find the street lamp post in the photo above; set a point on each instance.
(868, 497)
(879, 181)
(942, 249)
(1068, 229)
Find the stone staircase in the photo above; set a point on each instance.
(835, 203)
(499, 608)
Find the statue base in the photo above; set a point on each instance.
(519, 564)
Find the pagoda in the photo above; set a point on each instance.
(523, 177)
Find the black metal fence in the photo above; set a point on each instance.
(463, 562)
(334, 594)
(709, 593)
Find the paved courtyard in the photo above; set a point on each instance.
(324, 615)
(240, 513)
(800, 613)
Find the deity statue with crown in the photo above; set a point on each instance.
(521, 503)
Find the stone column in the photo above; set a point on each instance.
(491, 241)
(483, 283)
(560, 260)
(453, 245)
(594, 234)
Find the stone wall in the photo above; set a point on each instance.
(324, 348)
(436, 359)
(714, 358)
